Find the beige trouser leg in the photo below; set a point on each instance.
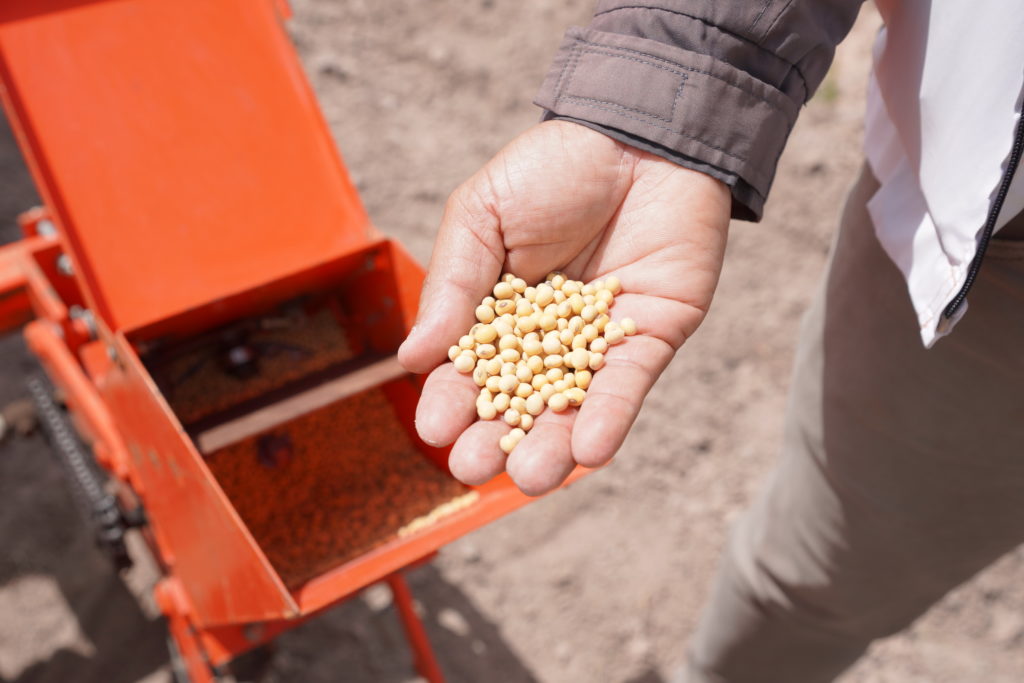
(902, 471)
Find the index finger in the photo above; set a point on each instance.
(464, 266)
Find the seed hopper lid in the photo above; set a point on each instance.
(177, 144)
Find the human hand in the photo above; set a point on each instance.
(564, 197)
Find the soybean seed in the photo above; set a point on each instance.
(484, 314)
(464, 364)
(575, 396)
(558, 402)
(503, 290)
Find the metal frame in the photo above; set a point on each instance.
(131, 246)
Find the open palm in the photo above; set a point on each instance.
(564, 197)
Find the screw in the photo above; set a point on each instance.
(46, 228)
(64, 266)
(253, 632)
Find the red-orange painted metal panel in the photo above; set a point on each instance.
(177, 144)
(226, 576)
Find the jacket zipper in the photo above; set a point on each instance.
(990, 221)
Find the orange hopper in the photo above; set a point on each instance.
(204, 287)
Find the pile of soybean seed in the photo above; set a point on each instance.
(538, 347)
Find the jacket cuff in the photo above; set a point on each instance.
(688, 107)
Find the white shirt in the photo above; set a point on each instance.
(943, 103)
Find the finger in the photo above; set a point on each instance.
(466, 262)
(446, 406)
(543, 459)
(615, 396)
(476, 457)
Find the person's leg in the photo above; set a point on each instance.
(902, 471)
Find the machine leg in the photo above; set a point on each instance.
(423, 655)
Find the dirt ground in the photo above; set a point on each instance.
(601, 582)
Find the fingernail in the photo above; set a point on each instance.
(429, 442)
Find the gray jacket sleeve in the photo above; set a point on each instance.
(713, 86)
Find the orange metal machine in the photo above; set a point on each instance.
(205, 291)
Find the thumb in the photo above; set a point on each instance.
(466, 262)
